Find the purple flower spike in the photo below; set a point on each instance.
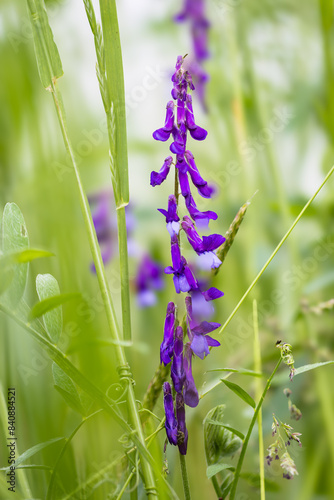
(177, 372)
(171, 422)
(190, 392)
(172, 219)
(157, 178)
(182, 434)
(163, 134)
(166, 348)
(196, 132)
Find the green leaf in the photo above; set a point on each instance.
(47, 55)
(47, 287)
(240, 371)
(15, 238)
(65, 386)
(307, 368)
(212, 470)
(22, 257)
(240, 392)
(228, 427)
(219, 441)
(51, 303)
(33, 450)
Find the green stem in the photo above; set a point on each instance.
(258, 391)
(215, 484)
(184, 474)
(124, 270)
(287, 234)
(250, 429)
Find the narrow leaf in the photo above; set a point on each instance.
(212, 470)
(47, 55)
(51, 303)
(33, 450)
(240, 392)
(47, 287)
(65, 386)
(307, 368)
(240, 371)
(15, 238)
(22, 257)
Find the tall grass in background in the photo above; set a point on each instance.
(270, 109)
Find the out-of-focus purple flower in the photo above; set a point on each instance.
(194, 12)
(166, 348)
(190, 392)
(177, 372)
(171, 422)
(200, 341)
(183, 278)
(182, 432)
(172, 219)
(157, 178)
(203, 247)
(148, 281)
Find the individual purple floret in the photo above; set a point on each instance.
(177, 372)
(172, 219)
(204, 247)
(166, 348)
(163, 134)
(200, 341)
(198, 216)
(183, 278)
(182, 432)
(148, 281)
(171, 422)
(190, 392)
(157, 178)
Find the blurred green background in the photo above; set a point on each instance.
(271, 128)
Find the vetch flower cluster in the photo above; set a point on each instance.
(181, 343)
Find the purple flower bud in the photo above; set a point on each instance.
(171, 422)
(158, 177)
(163, 134)
(182, 434)
(190, 393)
(177, 372)
(166, 348)
(172, 219)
